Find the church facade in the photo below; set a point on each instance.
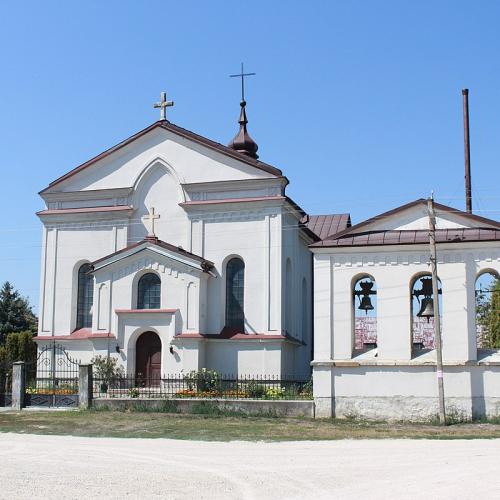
(174, 253)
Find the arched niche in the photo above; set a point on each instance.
(487, 309)
(159, 187)
(422, 312)
(364, 312)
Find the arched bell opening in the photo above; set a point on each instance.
(487, 291)
(364, 311)
(422, 312)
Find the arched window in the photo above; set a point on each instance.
(148, 292)
(235, 285)
(364, 299)
(488, 310)
(422, 312)
(85, 297)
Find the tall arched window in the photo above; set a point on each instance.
(422, 312)
(364, 299)
(235, 287)
(487, 309)
(85, 297)
(148, 292)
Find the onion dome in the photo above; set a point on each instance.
(243, 143)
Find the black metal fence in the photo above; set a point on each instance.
(202, 384)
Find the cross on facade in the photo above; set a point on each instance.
(242, 76)
(150, 218)
(163, 105)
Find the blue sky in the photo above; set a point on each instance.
(359, 103)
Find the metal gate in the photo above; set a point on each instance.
(52, 380)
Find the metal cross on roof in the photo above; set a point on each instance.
(163, 105)
(151, 217)
(242, 76)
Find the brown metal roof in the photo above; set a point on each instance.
(327, 225)
(165, 124)
(355, 236)
(421, 236)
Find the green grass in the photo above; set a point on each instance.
(215, 427)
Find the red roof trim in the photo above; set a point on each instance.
(236, 336)
(221, 148)
(58, 211)
(145, 311)
(231, 200)
(82, 334)
(166, 125)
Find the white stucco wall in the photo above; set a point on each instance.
(355, 383)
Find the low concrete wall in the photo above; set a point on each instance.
(414, 409)
(281, 408)
(405, 392)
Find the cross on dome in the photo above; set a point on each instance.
(150, 221)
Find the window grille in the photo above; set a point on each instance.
(149, 293)
(85, 297)
(235, 284)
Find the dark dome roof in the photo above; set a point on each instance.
(242, 142)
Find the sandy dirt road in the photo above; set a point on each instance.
(53, 467)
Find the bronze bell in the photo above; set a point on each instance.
(366, 304)
(426, 308)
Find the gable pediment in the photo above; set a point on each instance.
(409, 224)
(413, 217)
(153, 251)
(193, 158)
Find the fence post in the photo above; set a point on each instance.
(85, 387)
(18, 388)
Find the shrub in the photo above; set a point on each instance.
(133, 392)
(255, 390)
(107, 371)
(275, 393)
(203, 380)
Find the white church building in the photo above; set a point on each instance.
(174, 253)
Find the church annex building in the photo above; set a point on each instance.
(174, 253)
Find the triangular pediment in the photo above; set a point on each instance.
(155, 249)
(193, 157)
(414, 216)
(410, 224)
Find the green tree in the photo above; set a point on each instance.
(493, 320)
(18, 346)
(16, 314)
(488, 316)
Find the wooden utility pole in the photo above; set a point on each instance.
(437, 320)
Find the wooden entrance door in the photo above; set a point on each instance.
(148, 359)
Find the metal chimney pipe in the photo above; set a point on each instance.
(468, 186)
